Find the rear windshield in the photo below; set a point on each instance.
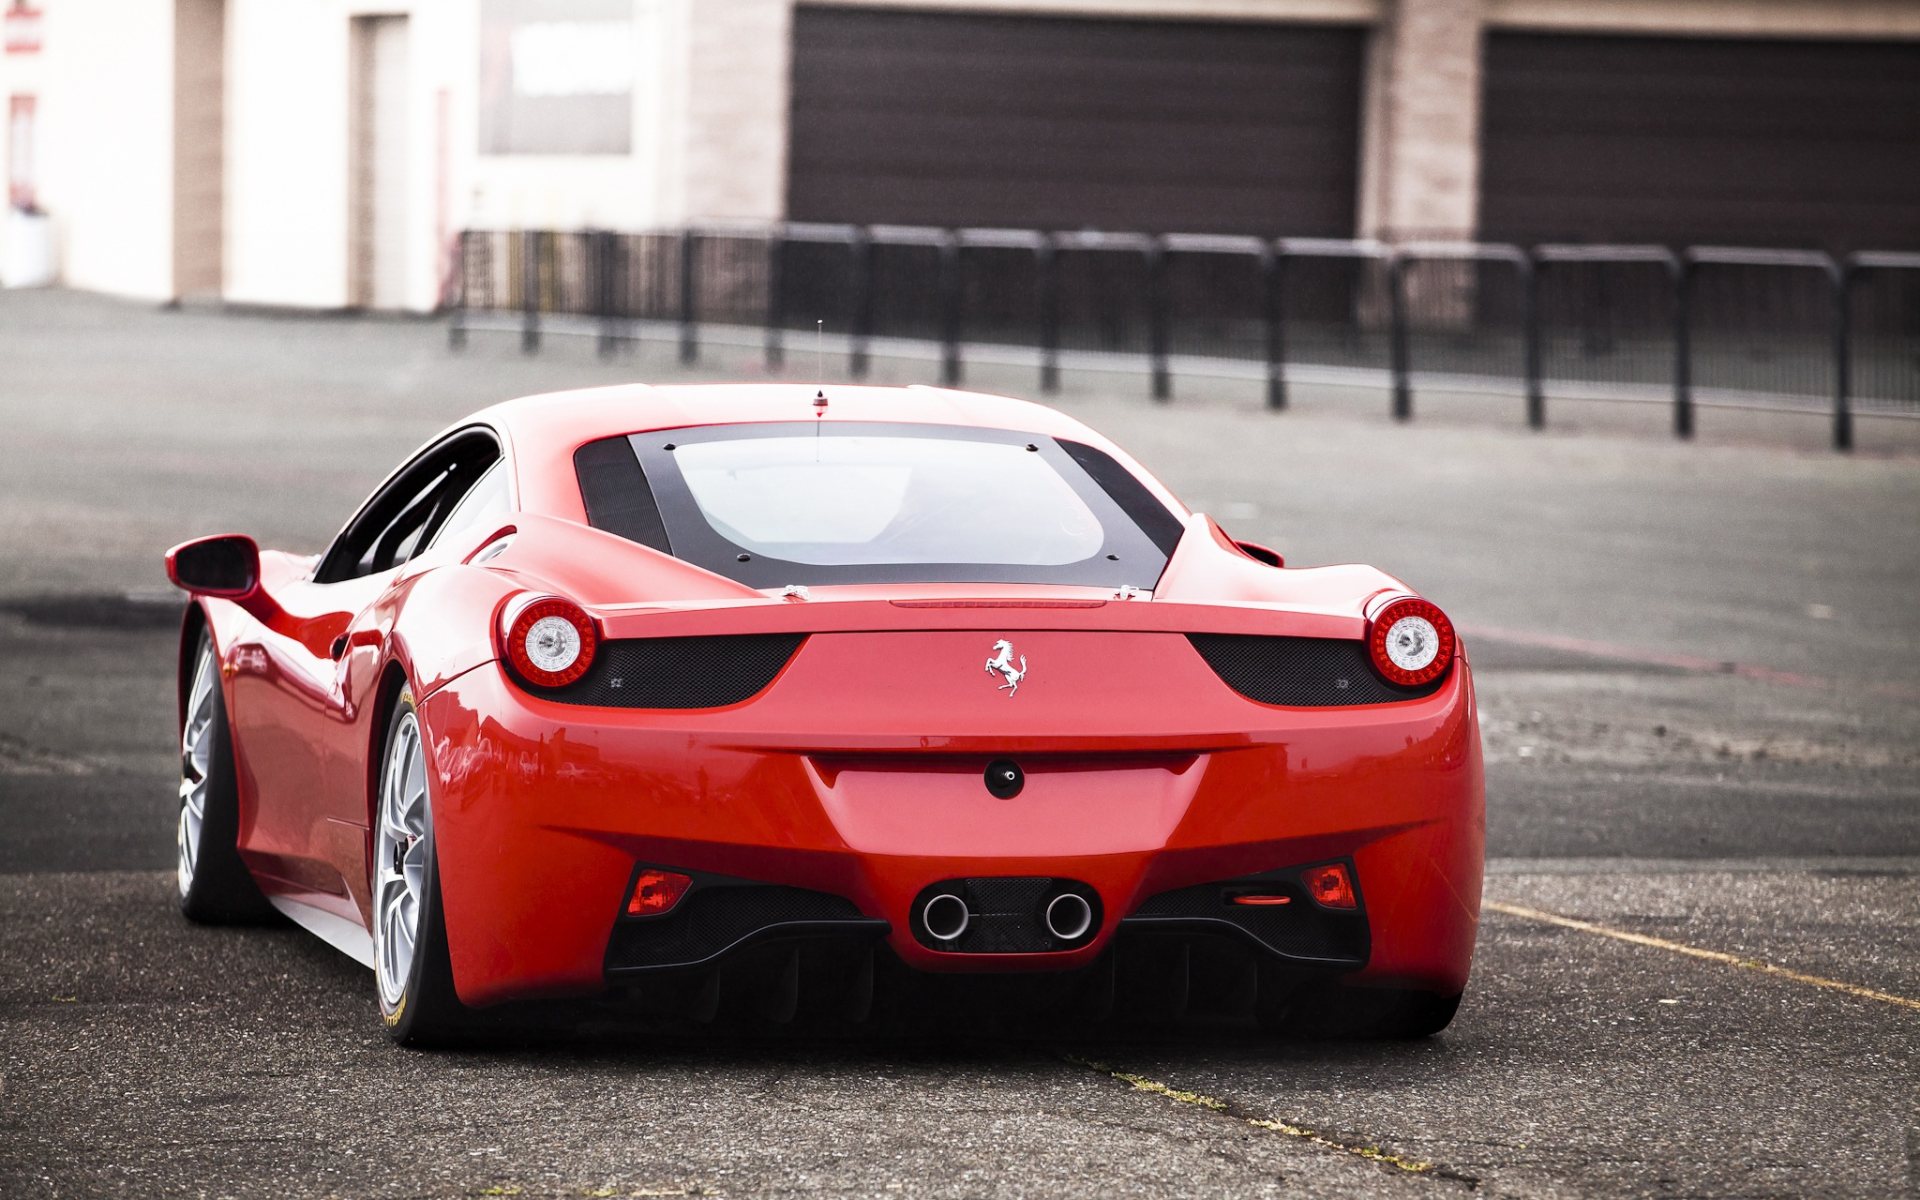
(847, 502)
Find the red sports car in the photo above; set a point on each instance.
(771, 696)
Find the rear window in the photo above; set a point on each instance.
(783, 503)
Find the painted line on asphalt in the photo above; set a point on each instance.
(1373, 1154)
(1718, 956)
(1682, 662)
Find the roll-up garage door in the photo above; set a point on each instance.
(1678, 140)
(959, 119)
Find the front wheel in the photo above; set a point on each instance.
(215, 887)
(412, 972)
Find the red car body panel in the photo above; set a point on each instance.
(857, 770)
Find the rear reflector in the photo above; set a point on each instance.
(1262, 901)
(655, 892)
(1330, 886)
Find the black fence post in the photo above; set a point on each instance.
(776, 316)
(1682, 346)
(1530, 266)
(605, 288)
(530, 291)
(950, 288)
(689, 297)
(1273, 278)
(1399, 349)
(1158, 317)
(861, 248)
(1046, 269)
(1841, 274)
(457, 319)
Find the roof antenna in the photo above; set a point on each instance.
(820, 393)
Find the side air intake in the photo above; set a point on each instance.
(1301, 672)
(679, 672)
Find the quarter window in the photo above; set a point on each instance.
(407, 513)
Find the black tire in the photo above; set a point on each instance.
(427, 1012)
(215, 887)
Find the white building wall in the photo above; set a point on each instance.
(287, 239)
(547, 191)
(709, 122)
(103, 155)
(286, 214)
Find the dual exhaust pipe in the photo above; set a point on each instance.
(945, 916)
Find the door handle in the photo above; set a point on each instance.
(347, 641)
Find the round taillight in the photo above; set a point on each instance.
(1411, 642)
(551, 642)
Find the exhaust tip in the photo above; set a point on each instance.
(944, 917)
(1068, 916)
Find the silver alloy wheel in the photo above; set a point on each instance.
(399, 859)
(196, 761)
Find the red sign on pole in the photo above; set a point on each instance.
(20, 192)
(23, 29)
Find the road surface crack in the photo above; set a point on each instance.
(1373, 1154)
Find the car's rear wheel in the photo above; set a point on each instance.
(214, 885)
(412, 971)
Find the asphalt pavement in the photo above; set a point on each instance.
(1699, 971)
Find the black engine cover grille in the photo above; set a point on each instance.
(714, 918)
(1301, 672)
(679, 672)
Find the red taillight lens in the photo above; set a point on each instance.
(550, 642)
(655, 892)
(1330, 886)
(1411, 642)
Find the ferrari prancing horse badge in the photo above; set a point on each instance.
(1002, 661)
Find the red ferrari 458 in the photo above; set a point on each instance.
(762, 695)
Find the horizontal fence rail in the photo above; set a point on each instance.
(1702, 326)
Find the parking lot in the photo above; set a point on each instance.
(1699, 966)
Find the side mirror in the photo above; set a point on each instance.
(227, 566)
(1255, 550)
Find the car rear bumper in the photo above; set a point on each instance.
(544, 811)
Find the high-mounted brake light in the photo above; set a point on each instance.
(1411, 642)
(551, 642)
(1330, 886)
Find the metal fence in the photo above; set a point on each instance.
(1705, 326)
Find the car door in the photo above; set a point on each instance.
(303, 707)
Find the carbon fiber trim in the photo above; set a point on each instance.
(1301, 672)
(680, 672)
(1299, 930)
(716, 918)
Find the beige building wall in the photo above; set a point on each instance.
(732, 131)
(1420, 152)
(1714, 18)
(709, 123)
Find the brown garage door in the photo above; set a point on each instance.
(1691, 140)
(1069, 123)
